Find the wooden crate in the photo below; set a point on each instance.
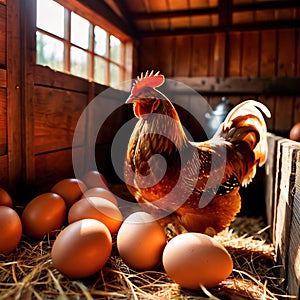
(282, 194)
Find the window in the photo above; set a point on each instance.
(68, 42)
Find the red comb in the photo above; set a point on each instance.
(147, 80)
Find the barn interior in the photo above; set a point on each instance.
(58, 56)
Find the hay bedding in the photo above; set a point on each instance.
(27, 273)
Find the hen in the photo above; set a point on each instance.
(194, 186)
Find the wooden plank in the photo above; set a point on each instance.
(283, 121)
(250, 42)
(182, 55)
(269, 179)
(3, 122)
(3, 35)
(241, 85)
(284, 200)
(3, 80)
(28, 60)
(48, 77)
(296, 110)
(165, 57)
(200, 55)
(56, 113)
(286, 52)
(293, 274)
(217, 59)
(54, 166)
(3, 172)
(267, 53)
(298, 51)
(14, 103)
(234, 54)
(147, 61)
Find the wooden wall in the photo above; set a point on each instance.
(39, 112)
(248, 54)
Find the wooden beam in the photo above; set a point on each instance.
(212, 29)
(237, 85)
(214, 10)
(126, 14)
(266, 5)
(175, 13)
(104, 10)
(225, 12)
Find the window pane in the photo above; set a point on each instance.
(115, 74)
(79, 31)
(49, 51)
(115, 49)
(50, 17)
(100, 70)
(79, 62)
(100, 41)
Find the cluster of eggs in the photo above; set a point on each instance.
(83, 215)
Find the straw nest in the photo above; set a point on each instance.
(27, 273)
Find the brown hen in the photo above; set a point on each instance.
(194, 186)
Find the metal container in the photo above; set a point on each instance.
(215, 117)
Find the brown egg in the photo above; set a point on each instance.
(5, 198)
(43, 215)
(70, 189)
(141, 241)
(295, 132)
(94, 179)
(97, 208)
(195, 259)
(82, 248)
(100, 192)
(10, 230)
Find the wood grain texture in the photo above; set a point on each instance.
(267, 54)
(48, 77)
(3, 172)
(250, 54)
(54, 166)
(293, 273)
(200, 55)
(3, 122)
(234, 54)
(14, 103)
(286, 53)
(56, 113)
(3, 35)
(3, 81)
(182, 55)
(284, 200)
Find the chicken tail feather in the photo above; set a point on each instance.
(245, 122)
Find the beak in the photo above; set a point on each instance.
(131, 100)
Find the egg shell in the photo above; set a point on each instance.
(82, 248)
(94, 179)
(5, 198)
(10, 230)
(100, 192)
(44, 215)
(295, 132)
(140, 241)
(97, 208)
(194, 259)
(70, 189)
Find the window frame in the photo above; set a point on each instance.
(126, 43)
